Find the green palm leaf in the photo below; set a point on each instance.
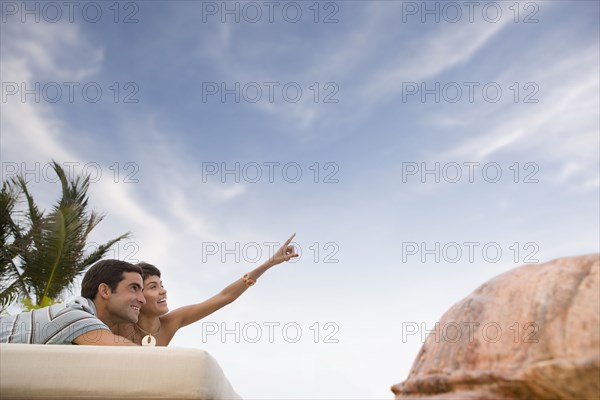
(12, 241)
(52, 248)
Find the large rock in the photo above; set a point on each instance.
(532, 332)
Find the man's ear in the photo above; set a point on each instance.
(104, 291)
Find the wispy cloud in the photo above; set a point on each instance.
(364, 61)
(33, 133)
(51, 51)
(561, 128)
(442, 49)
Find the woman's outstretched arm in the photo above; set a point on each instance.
(189, 314)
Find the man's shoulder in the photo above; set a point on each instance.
(57, 324)
(81, 304)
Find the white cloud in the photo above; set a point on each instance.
(39, 53)
(364, 50)
(33, 133)
(439, 51)
(49, 51)
(560, 128)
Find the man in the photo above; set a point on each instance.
(111, 293)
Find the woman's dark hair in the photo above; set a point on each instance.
(105, 271)
(148, 270)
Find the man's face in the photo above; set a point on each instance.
(126, 301)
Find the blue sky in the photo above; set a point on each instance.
(368, 116)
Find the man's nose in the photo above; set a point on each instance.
(141, 298)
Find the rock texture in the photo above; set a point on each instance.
(532, 332)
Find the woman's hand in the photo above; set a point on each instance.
(284, 253)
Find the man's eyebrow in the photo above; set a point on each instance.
(137, 285)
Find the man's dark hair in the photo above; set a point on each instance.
(148, 270)
(105, 271)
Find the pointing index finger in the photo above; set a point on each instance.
(289, 240)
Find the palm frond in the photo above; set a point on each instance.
(51, 248)
(100, 252)
(34, 214)
(12, 244)
(9, 295)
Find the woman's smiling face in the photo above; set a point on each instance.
(156, 296)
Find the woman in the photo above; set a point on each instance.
(157, 326)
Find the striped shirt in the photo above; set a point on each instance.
(57, 324)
